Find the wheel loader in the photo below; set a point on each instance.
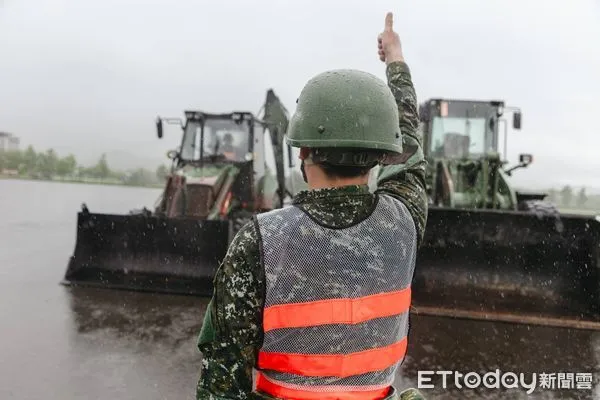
(228, 167)
(491, 251)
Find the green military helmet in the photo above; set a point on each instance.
(348, 110)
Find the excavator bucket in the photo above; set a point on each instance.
(510, 266)
(147, 253)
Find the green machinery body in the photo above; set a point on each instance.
(490, 251)
(228, 167)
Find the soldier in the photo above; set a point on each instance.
(312, 301)
(228, 149)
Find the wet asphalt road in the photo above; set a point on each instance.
(81, 343)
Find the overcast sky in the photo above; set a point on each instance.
(88, 77)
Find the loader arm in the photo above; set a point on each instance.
(276, 118)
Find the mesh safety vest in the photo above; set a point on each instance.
(335, 318)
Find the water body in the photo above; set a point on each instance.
(76, 343)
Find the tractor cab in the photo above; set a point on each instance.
(461, 143)
(224, 162)
(462, 134)
(213, 139)
(463, 129)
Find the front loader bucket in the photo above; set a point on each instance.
(510, 266)
(147, 253)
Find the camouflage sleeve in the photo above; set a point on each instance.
(231, 333)
(406, 182)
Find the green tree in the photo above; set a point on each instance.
(582, 198)
(81, 171)
(116, 174)
(101, 170)
(71, 162)
(22, 170)
(139, 177)
(66, 166)
(161, 173)
(13, 159)
(47, 163)
(566, 195)
(30, 159)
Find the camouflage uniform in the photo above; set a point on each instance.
(232, 333)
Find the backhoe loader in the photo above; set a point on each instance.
(228, 167)
(490, 251)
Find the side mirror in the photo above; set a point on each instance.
(525, 159)
(159, 127)
(517, 120)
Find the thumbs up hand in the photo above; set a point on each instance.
(388, 42)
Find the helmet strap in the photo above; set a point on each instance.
(303, 171)
(307, 160)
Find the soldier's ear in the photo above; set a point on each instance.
(304, 153)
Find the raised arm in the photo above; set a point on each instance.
(406, 182)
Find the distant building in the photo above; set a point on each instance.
(8, 142)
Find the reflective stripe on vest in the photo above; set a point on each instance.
(265, 385)
(336, 309)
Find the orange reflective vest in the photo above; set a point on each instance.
(335, 319)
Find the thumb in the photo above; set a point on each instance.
(389, 22)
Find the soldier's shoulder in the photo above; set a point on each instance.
(269, 220)
(242, 261)
(244, 240)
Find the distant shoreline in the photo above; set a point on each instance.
(90, 181)
(86, 181)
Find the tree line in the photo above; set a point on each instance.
(49, 165)
(569, 197)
